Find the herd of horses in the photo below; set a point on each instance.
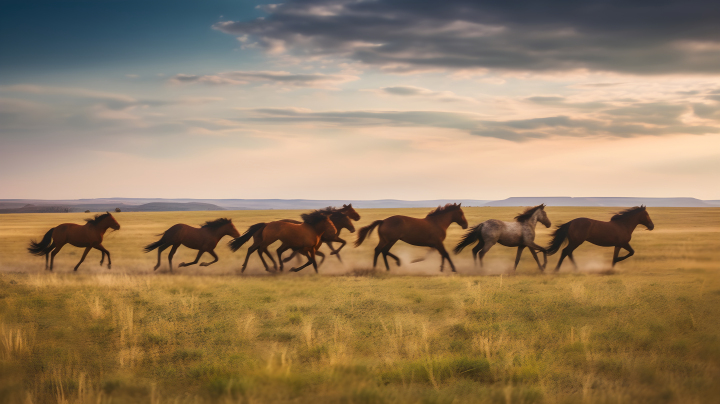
(324, 226)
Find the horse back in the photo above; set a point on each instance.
(76, 234)
(295, 235)
(419, 232)
(604, 234)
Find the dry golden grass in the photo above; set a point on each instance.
(647, 332)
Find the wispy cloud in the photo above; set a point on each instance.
(268, 77)
(412, 91)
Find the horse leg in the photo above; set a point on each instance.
(311, 260)
(630, 253)
(517, 257)
(160, 250)
(47, 255)
(266, 252)
(211, 252)
(102, 258)
(197, 258)
(445, 256)
(486, 247)
(386, 252)
(85, 253)
(172, 253)
(247, 257)
(534, 254)
(105, 252)
(294, 253)
(53, 254)
(279, 253)
(475, 253)
(321, 255)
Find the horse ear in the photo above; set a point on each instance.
(459, 204)
(344, 206)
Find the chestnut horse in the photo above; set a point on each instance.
(304, 237)
(203, 239)
(341, 219)
(427, 232)
(615, 233)
(520, 234)
(89, 236)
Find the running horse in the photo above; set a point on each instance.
(520, 234)
(305, 238)
(89, 236)
(203, 239)
(615, 233)
(341, 219)
(427, 232)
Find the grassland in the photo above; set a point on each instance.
(647, 332)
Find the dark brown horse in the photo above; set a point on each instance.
(89, 236)
(341, 219)
(615, 233)
(304, 237)
(427, 232)
(203, 239)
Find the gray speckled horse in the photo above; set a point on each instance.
(520, 234)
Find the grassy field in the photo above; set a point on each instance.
(646, 332)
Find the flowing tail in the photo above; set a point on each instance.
(471, 236)
(156, 244)
(558, 238)
(41, 248)
(236, 243)
(365, 231)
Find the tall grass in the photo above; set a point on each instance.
(645, 333)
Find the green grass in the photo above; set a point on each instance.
(646, 333)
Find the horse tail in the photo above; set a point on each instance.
(41, 248)
(155, 245)
(236, 243)
(558, 238)
(471, 236)
(365, 231)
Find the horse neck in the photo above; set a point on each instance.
(443, 220)
(532, 222)
(218, 233)
(629, 223)
(321, 229)
(337, 223)
(101, 227)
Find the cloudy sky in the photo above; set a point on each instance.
(359, 99)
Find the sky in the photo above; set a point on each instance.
(359, 99)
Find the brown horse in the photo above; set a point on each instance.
(304, 237)
(615, 233)
(427, 232)
(341, 219)
(89, 236)
(203, 239)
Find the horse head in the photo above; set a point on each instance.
(112, 223)
(459, 217)
(342, 221)
(230, 230)
(542, 216)
(350, 212)
(644, 218)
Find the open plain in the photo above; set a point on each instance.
(647, 331)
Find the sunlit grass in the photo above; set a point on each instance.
(646, 333)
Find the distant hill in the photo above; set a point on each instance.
(170, 205)
(609, 201)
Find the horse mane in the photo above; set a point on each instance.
(525, 216)
(315, 216)
(442, 209)
(627, 212)
(330, 211)
(97, 219)
(216, 224)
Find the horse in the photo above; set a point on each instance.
(89, 236)
(304, 237)
(520, 234)
(204, 240)
(615, 233)
(427, 232)
(341, 219)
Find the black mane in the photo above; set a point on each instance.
(627, 212)
(330, 211)
(525, 216)
(216, 224)
(97, 219)
(442, 209)
(315, 216)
